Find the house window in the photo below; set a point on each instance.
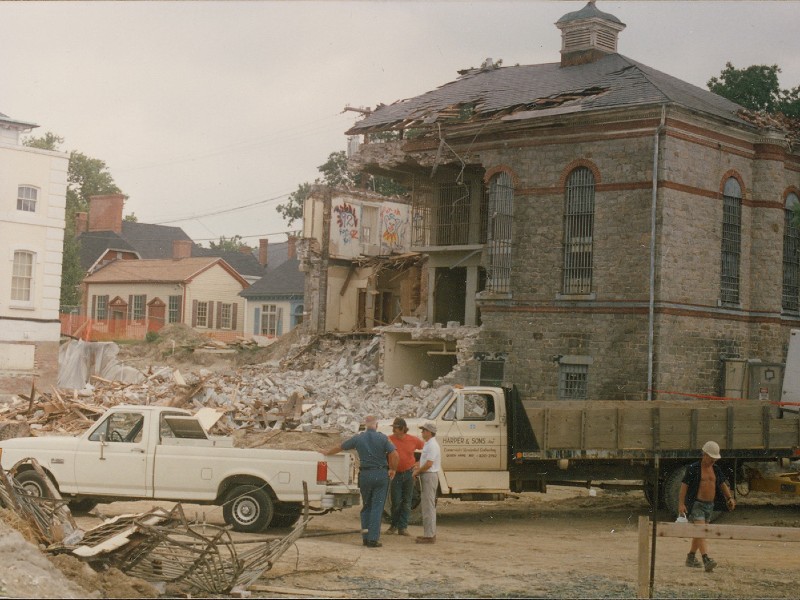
(731, 242)
(791, 256)
(137, 307)
(369, 217)
(578, 232)
(22, 276)
(26, 198)
(501, 205)
(174, 315)
(573, 382)
(298, 314)
(270, 320)
(202, 314)
(225, 316)
(101, 307)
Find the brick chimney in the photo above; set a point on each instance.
(263, 247)
(81, 222)
(245, 249)
(588, 35)
(182, 248)
(291, 247)
(105, 212)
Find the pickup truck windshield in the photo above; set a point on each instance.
(439, 407)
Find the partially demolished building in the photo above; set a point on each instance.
(615, 232)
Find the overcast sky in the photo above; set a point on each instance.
(198, 107)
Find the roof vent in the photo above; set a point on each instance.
(587, 35)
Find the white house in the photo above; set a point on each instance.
(33, 186)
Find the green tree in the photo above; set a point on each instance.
(234, 244)
(131, 218)
(86, 177)
(757, 87)
(336, 173)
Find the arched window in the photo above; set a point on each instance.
(791, 256)
(578, 232)
(501, 208)
(731, 241)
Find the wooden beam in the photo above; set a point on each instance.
(643, 574)
(729, 532)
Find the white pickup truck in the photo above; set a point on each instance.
(162, 453)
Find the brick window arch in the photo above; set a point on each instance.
(731, 241)
(578, 231)
(500, 237)
(790, 299)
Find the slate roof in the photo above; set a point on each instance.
(152, 241)
(180, 270)
(245, 264)
(94, 244)
(528, 91)
(284, 280)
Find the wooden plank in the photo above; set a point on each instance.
(643, 575)
(601, 429)
(729, 532)
(295, 592)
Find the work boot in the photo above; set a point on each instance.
(709, 563)
(691, 561)
(391, 530)
(403, 532)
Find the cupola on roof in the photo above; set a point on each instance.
(587, 35)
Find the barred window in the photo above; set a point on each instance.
(578, 232)
(731, 242)
(791, 255)
(26, 198)
(22, 276)
(573, 382)
(501, 208)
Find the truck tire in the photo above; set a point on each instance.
(415, 518)
(81, 505)
(286, 515)
(33, 483)
(248, 509)
(672, 487)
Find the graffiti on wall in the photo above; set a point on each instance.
(347, 222)
(394, 223)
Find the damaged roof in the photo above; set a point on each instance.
(530, 91)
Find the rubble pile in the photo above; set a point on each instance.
(334, 396)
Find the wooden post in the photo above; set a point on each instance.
(643, 578)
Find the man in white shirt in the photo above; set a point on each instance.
(428, 472)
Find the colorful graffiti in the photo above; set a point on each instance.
(347, 222)
(394, 223)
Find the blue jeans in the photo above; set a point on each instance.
(402, 491)
(374, 484)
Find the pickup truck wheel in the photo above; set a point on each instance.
(248, 509)
(286, 515)
(33, 484)
(81, 505)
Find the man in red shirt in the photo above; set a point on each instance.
(401, 488)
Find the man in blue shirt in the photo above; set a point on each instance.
(378, 462)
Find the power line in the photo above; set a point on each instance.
(224, 210)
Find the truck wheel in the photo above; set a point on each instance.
(672, 488)
(286, 515)
(33, 484)
(248, 509)
(81, 505)
(415, 518)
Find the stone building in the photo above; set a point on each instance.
(613, 232)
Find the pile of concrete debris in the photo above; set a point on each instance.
(343, 387)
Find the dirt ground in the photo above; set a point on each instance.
(563, 544)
